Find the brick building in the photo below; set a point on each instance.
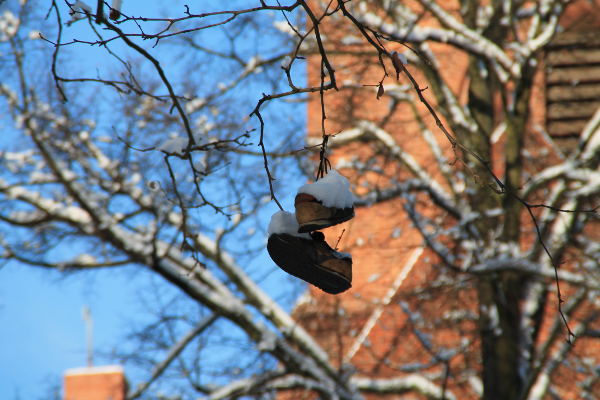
(404, 315)
(106, 382)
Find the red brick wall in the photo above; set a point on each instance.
(381, 238)
(96, 383)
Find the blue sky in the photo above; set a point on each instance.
(42, 332)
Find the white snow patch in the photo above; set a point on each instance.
(252, 63)
(104, 139)
(176, 145)
(200, 165)
(119, 216)
(9, 25)
(20, 158)
(103, 161)
(350, 40)
(268, 343)
(460, 187)
(116, 4)
(285, 222)
(77, 214)
(540, 387)
(332, 191)
(105, 369)
(285, 63)
(85, 259)
(195, 104)
(265, 199)
(339, 255)
(476, 385)
(284, 27)
(38, 177)
(136, 178)
(81, 7)
(175, 218)
(305, 298)
(498, 132)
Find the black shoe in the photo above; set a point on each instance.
(312, 261)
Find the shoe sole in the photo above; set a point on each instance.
(317, 225)
(295, 262)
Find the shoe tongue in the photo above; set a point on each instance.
(317, 236)
(320, 238)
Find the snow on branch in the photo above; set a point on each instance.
(589, 142)
(261, 301)
(475, 44)
(534, 268)
(405, 187)
(429, 233)
(539, 389)
(410, 383)
(279, 380)
(176, 269)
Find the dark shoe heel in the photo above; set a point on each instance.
(296, 262)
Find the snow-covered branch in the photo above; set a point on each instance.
(410, 383)
(262, 302)
(462, 38)
(544, 270)
(539, 389)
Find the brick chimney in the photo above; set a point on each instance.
(95, 383)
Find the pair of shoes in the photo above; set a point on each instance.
(325, 203)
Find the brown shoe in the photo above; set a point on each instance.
(313, 216)
(312, 261)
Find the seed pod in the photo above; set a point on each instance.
(114, 15)
(380, 91)
(398, 64)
